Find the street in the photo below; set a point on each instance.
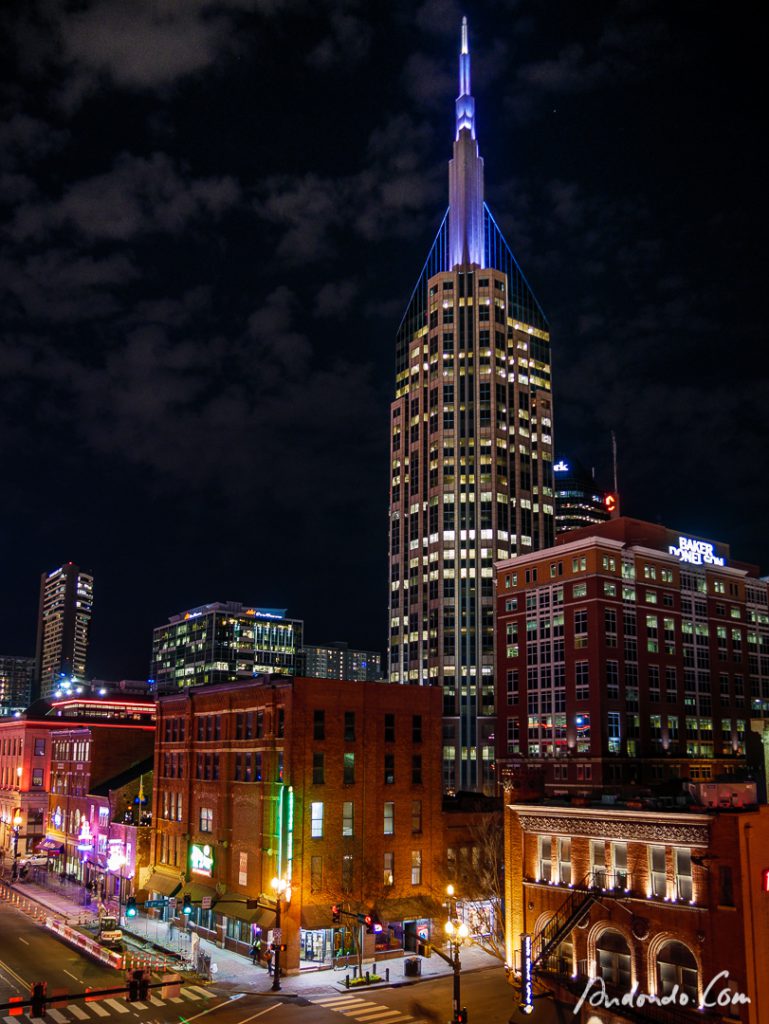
(28, 953)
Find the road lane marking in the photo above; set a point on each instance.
(23, 940)
(188, 1020)
(72, 976)
(17, 977)
(78, 1011)
(260, 1014)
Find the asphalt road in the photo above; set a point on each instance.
(28, 953)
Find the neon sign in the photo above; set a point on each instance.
(696, 552)
(201, 860)
(561, 467)
(527, 984)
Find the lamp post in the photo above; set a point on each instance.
(16, 829)
(458, 933)
(281, 888)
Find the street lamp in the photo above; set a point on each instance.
(16, 829)
(281, 889)
(458, 933)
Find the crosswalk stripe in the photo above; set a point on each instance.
(203, 991)
(360, 1005)
(11, 1020)
(332, 999)
(346, 1002)
(156, 1002)
(120, 1007)
(382, 1014)
(57, 1015)
(139, 1006)
(190, 995)
(99, 1010)
(77, 1011)
(176, 999)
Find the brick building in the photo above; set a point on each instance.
(25, 759)
(331, 785)
(627, 654)
(643, 896)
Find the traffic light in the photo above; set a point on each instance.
(336, 914)
(373, 927)
(39, 990)
(130, 907)
(462, 1016)
(187, 904)
(283, 947)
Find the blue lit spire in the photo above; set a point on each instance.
(465, 175)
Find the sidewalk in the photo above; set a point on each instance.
(237, 971)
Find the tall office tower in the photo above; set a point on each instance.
(579, 501)
(16, 680)
(64, 620)
(471, 457)
(338, 660)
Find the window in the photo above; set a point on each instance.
(318, 769)
(389, 769)
(684, 887)
(545, 858)
(580, 628)
(39, 748)
(349, 726)
(388, 873)
(564, 861)
(416, 867)
(389, 818)
(416, 816)
(725, 887)
(349, 769)
(389, 728)
(316, 820)
(37, 777)
(582, 680)
(657, 869)
(677, 971)
(348, 812)
(319, 724)
(416, 770)
(619, 865)
(598, 862)
(613, 959)
(206, 819)
(316, 873)
(416, 729)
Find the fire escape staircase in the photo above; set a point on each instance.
(568, 915)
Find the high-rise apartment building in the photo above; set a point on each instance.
(471, 456)
(339, 661)
(222, 642)
(628, 653)
(64, 621)
(579, 501)
(17, 677)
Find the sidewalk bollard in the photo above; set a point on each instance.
(368, 978)
(387, 973)
(347, 981)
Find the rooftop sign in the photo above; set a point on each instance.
(695, 552)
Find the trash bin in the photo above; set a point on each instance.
(412, 967)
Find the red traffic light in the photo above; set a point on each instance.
(336, 914)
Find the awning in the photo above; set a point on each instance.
(49, 845)
(414, 909)
(233, 905)
(196, 892)
(313, 918)
(166, 885)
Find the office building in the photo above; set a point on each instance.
(579, 502)
(221, 642)
(471, 454)
(628, 653)
(338, 661)
(17, 676)
(64, 622)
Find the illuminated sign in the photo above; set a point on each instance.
(610, 501)
(765, 880)
(201, 860)
(561, 467)
(265, 613)
(696, 552)
(116, 860)
(57, 817)
(527, 984)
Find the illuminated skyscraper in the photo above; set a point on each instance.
(471, 456)
(64, 620)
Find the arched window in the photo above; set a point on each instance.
(613, 959)
(676, 966)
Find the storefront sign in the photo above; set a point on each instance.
(527, 985)
(201, 860)
(243, 869)
(696, 552)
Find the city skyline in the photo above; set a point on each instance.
(203, 245)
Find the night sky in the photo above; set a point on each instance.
(212, 216)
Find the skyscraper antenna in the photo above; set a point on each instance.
(614, 461)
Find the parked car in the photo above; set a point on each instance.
(35, 860)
